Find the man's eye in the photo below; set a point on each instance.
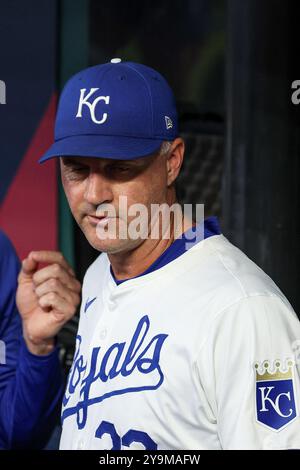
(79, 169)
(120, 168)
(77, 172)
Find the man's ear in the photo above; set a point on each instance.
(174, 160)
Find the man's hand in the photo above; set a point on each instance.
(46, 298)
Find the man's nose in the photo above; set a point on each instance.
(98, 190)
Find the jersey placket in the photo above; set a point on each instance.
(103, 337)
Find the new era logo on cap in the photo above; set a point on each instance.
(169, 123)
(120, 110)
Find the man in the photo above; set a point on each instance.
(180, 345)
(30, 379)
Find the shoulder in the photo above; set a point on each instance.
(231, 275)
(253, 329)
(260, 314)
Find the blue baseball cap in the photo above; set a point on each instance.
(119, 110)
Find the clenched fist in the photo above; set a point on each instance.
(46, 298)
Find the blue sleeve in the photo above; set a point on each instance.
(30, 386)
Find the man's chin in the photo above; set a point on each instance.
(113, 246)
(107, 242)
(109, 245)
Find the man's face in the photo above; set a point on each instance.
(92, 185)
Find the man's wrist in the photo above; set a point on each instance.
(39, 348)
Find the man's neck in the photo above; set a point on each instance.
(127, 265)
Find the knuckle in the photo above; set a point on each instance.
(51, 297)
(53, 283)
(38, 291)
(56, 269)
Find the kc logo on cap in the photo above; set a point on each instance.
(83, 100)
(119, 110)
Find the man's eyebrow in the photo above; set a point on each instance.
(71, 161)
(135, 161)
(109, 163)
(119, 162)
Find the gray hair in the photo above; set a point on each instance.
(165, 147)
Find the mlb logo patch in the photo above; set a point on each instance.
(275, 396)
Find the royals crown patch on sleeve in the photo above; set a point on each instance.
(275, 396)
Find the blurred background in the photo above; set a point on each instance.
(231, 64)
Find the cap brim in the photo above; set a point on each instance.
(117, 148)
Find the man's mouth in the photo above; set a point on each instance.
(95, 220)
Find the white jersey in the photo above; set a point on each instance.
(202, 353)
